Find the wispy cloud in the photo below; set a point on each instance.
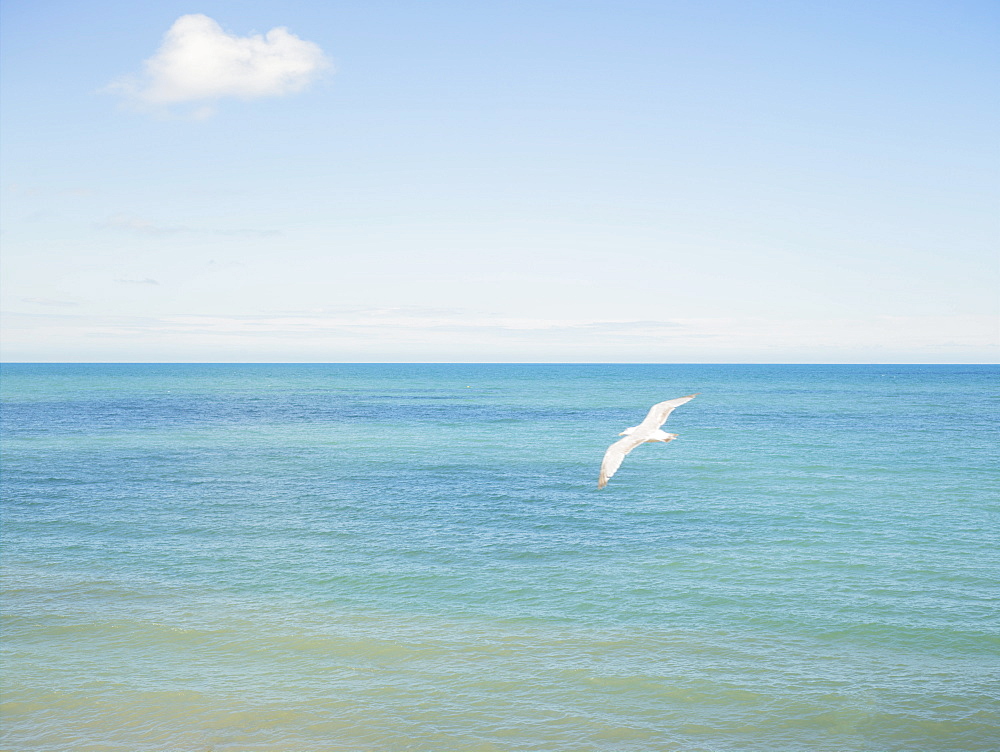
(137, 224)
(132, 223)
(200, 62)
(20, 189)
(51, 302)
(350, 333)
(726, 335)
(145, 281)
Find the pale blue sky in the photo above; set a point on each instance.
(508, 181)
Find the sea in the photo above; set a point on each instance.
(298, 558)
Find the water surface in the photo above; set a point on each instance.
(378, 557)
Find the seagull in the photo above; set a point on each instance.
(648, 430)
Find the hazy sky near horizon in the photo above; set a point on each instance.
(718, 181)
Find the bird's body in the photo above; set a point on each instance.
(648, 430)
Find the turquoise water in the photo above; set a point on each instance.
(390, 557)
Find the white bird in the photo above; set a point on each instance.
(648, 430)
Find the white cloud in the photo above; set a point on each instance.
(199, 62)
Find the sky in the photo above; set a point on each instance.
(500, 181)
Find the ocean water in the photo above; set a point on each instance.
(416, 557)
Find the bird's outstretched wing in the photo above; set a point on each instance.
(648, 430)
(659, 413)
(613, 458)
